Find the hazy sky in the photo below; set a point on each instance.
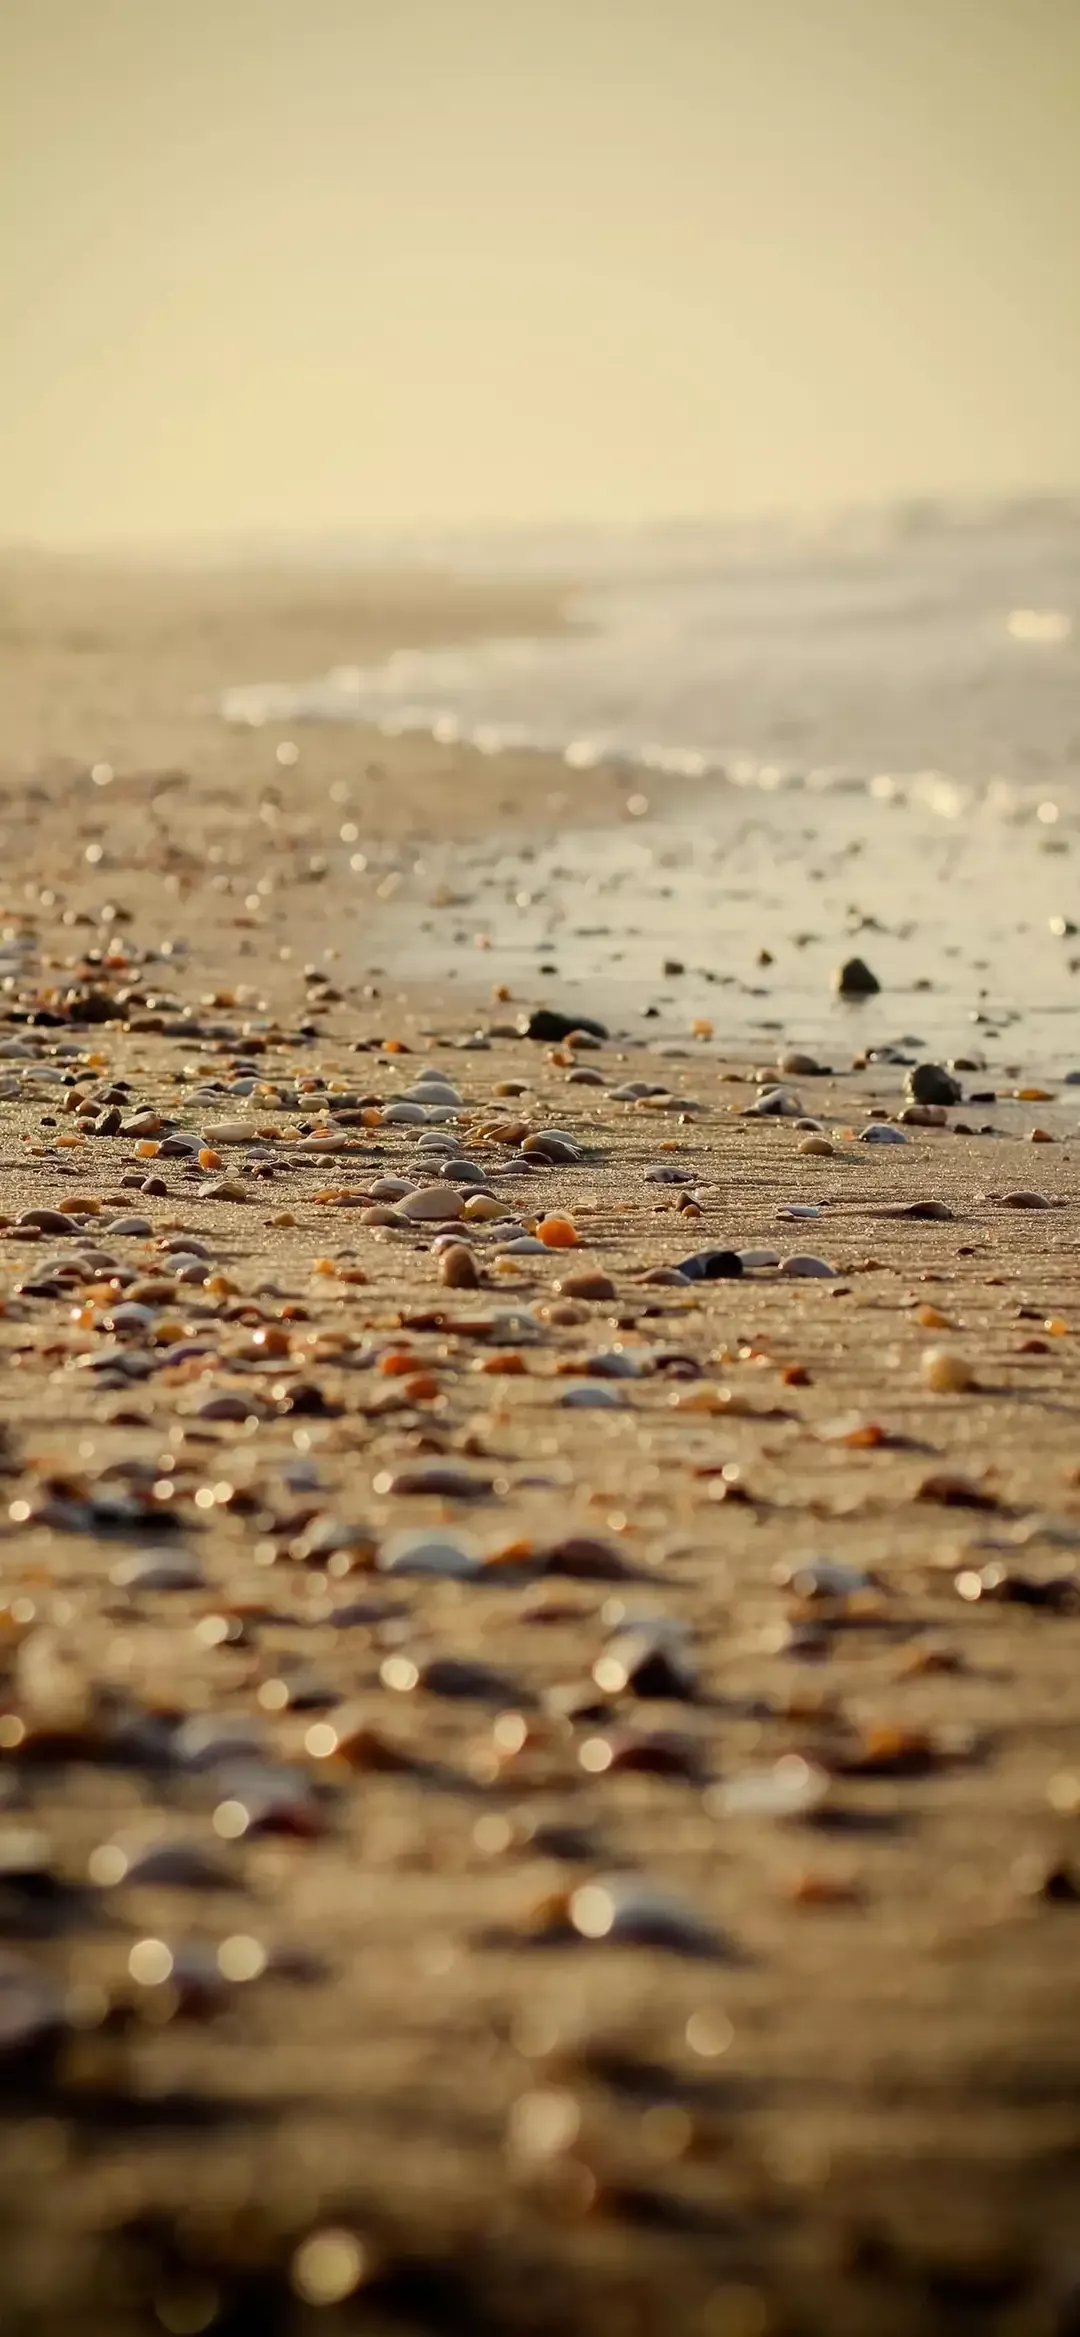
(310, 263)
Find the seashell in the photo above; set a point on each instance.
(432, 1202)
(590, 1396)
(789, 1788)
(777, 1103)
(806, 1267)
(429, 1553)
(178, 1866)
(623, 1910)
(156, 1570)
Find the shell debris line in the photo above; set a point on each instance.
(539, 1599)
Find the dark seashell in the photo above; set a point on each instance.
(584, 1558)
(955, 1491)
(439, 1478)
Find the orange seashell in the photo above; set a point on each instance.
(510, 1364)
(398, 1363)
(209, 1159)
(795, 1375)
(147, 1150)
(421, 1387)
(557, 1233)
(511, 1553)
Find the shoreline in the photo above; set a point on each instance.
(384, 1990)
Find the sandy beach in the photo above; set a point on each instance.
(539, 1751)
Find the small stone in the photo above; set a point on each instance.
(666, 1173)
(934, 1210)
(589, 1285)
(710, 1266)
(546, 1022)
(854, 979)
(930, 1083)
(882, 1132)
(647, 1661)
(777, 1103)
(590, 1396)
(797, 1066)
(817, 1148)
(458, 1268)
(1024, 1201)
(946, 1373)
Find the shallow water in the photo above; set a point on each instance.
(958, 929)
(926, 654)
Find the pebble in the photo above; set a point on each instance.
(545, 1022)
(458, 1268)
(854, 979)
(590, 1396)
(592, 1287)
(648, 1660)
(946, 1373)
(710, 1266)
(777, 1103)
(882, 1132)
(930, 1083)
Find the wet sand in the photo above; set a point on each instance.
(488, 1972)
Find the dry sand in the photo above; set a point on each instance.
(843, 2094)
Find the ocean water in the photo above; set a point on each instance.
(925, 653)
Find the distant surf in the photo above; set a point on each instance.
(928, 652)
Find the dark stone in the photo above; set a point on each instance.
(854, 979)
(929, 1083)
(711, 1266)
(546, 1023)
